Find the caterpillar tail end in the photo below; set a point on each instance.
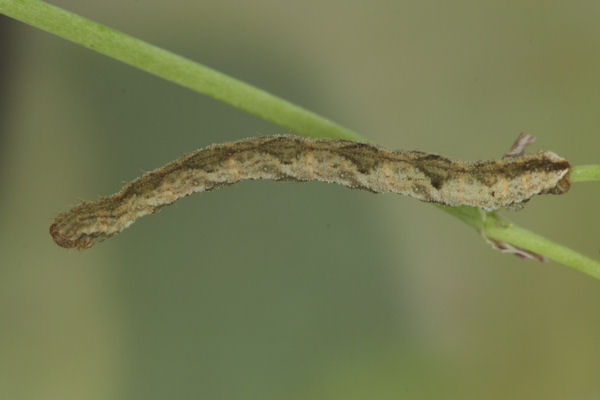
(71, 242)
(67, 232)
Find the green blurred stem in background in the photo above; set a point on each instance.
(205, 80)
(172, 67)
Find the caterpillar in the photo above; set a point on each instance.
(488, 185)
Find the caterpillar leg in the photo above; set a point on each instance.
(518, 147)
(510, 248)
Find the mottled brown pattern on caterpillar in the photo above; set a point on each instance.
(488, 185)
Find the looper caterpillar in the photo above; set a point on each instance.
(488, 185)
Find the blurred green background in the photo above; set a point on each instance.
(269, 290)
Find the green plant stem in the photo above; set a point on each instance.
(585, 173)
(260, 103)
(173, 67)
(496, 227)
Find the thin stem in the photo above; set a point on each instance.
(496, 227)
(260, 103)
(173, 67)
(585, 173)
(500, 229)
